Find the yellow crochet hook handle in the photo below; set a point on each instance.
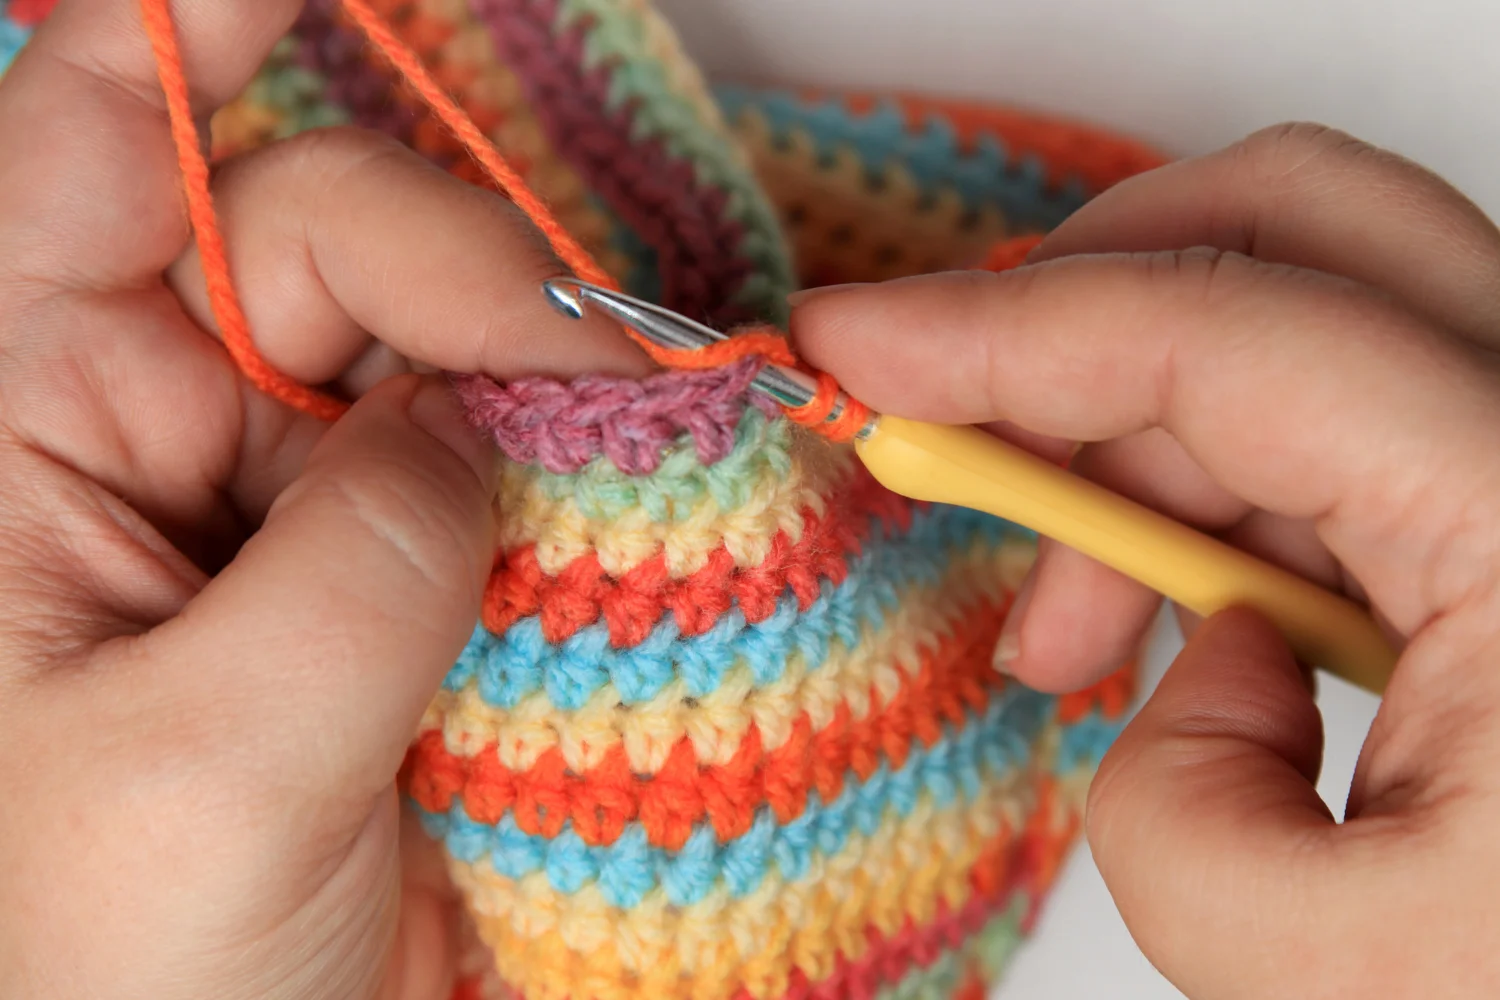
(966, 467)
(969, 468)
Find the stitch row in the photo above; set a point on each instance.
(775, 505)
(952, 679)
(849, 221)
(902, 876)
(980, 173)
(670, 100)
(575, 661)
(633, 603)
(657, 195)
(631, 422)
(326, 53)
(763, 449)
(951, 771)
(862, 679)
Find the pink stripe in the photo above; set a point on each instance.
(657, 195)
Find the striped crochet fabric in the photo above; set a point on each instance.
(729, 727)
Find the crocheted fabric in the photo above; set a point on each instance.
(729, 727)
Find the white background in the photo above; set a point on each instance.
(1416, 76)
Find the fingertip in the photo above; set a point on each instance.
(340, 235)
(913, 346)
(1208, 796)
(423, 960)
(1079, 622)
(1236, 677)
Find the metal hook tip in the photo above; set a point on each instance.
(564, 296)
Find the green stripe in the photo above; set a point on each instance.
(616, 39)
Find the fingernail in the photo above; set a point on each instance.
(1008, 646)
(435, 409)
(808, 294)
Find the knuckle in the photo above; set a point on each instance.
(412, 510)
(320, 160)
(1207, 274)
(339, 145)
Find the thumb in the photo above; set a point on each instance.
(1205, 823)
(330, 631)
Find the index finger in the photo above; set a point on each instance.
(89, 189)
(1307, 395)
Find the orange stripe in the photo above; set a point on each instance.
(953, 680)
(583, 592)
(890, 957)
(1111, 696)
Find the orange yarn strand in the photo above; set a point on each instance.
(156, 15)
(568, 250)
(1011, 253)
(756, 342)
(409, 65)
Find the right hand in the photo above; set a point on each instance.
(1289, 344)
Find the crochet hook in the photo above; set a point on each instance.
(967, 467)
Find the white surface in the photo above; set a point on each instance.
(1189, 75)
(1081, 949)
(1417, 76)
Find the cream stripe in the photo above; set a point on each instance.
(717, 722)
(554, 945)
(562, 532)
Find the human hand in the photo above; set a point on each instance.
(198, 773)
(1289, 344)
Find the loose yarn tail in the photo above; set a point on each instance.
(762, 342)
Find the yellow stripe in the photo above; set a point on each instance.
(717, 722)
(553, 945)
(562, 533)
(495, 87)
(898, 228)
(662, 46)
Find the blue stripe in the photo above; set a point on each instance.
(984, 174)
(510, 667)
(1084, 742)
(953, 769)
(13, 38)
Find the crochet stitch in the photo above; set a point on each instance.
(728, 727)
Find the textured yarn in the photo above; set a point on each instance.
(728, 728)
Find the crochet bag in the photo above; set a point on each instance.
(729, 727)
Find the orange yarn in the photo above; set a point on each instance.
(1111, 695)
(950, 681)
(631, 605)
(410, 66)
(1010, 254)
(156, 16)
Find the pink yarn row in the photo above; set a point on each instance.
(631, 422)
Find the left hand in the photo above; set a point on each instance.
(221, 619)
